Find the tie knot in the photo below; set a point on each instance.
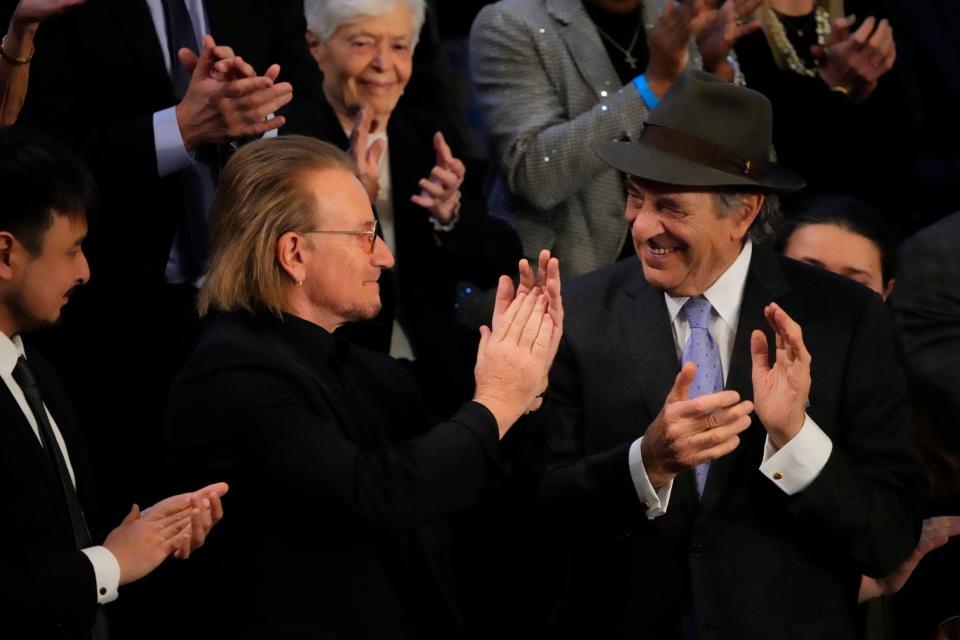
(23, 375)
(697, 309)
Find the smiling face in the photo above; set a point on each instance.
(341, 275)
(840, 251)
(36, 287)
(684, 244)
(368, 61)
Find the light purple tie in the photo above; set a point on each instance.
(703, 352)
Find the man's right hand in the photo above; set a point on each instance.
(217, 109)
(668, 41)
(689, 432)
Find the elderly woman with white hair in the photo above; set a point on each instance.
(407, 161)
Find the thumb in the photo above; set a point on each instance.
(760, 352)
(188, 59)
(682, 383)
(484, 337)
(133, 515)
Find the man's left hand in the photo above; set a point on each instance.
(780, 392)
(722, 28)
(440, 193)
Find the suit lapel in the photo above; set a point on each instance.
(765, 284)
(136, 27)
(16, 422)
(581, 39)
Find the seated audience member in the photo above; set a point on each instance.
(413, 178)
(553, 76)
(844, 236)
(300, 421)
(54, 577)
(926, 309)
(821, 75)
(681, 515)
(16, 51)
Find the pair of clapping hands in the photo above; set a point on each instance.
(177, 525)
(516, 351)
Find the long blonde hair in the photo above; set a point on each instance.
(261, 196)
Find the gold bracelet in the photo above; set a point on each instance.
(17, 62)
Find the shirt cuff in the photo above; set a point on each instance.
(794, 467)
(107, 571)
(172, 155)
(654, 502)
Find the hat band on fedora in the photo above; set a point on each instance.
(702, 151)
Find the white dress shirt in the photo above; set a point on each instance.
(793, 467)
(105, 566)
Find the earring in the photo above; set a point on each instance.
(300, 283)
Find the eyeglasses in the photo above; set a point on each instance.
(371, 234)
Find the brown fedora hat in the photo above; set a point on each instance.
(705, 133)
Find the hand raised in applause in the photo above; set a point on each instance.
(856, 61)
(227, 107)
(547, 279)
(668, 41)
(515, 354)
(440, 193)
(176, 525)
(366, 155)
(723, 27)
(780, 392)
(690, 431)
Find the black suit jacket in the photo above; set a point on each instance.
(430, 264)
(47, 586)
(753, 561)
(338, 484)
(97, 78)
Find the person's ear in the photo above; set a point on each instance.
(7, 244)
(745, 213)
(887, 290)
(292, 256)
(313, 44)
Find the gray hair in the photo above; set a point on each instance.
(324, 17)
(765, 226)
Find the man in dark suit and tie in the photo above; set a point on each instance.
(683, 516)
(54, 582)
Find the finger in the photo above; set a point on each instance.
(542, 259)
(527, 278)
(747, 28)
(760, 353)
(272, 72)
(133, 515)
(553, 287)
(841, 29)
(216, 508)
(375, 152)
(188, 59)
(172, 529)
(222, 52)
(709, 438)
(524, 312)
(444, 154)
(502, 324)
(254, 111)
(706, 405)
(361, 129)
(791, 332)
(218, 489)
(860, 37)
(424, 200)
(505, 307)
(433, 189)
(681, 384)
(543, 348)
(716, 452)
(531, 328)
(484, 337)
(446, 178)
(205, 61)
(243, 87)
(269, 124)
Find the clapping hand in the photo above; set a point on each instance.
(366, 155)
(440, 193)
(855, 62)
(780, 392)
(723, 27)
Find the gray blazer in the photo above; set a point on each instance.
(547, 90)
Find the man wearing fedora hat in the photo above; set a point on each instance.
(708, 484)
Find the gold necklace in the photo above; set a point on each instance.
(784, 53)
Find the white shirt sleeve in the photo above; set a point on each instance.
(654, 502)
(107, 570)
(172, 155)
(800, 461)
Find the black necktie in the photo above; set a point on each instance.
(24, 378)
(81, 535)
(180, 34)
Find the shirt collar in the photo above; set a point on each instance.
(726, 294)
(10, 351)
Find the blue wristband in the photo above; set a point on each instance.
(649, 97)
